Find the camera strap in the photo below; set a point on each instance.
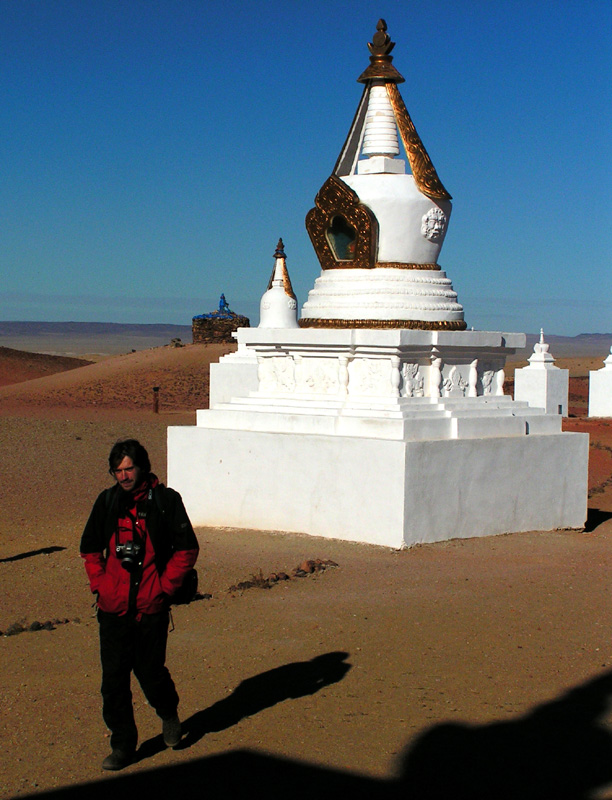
(141, 514)
(140, 538)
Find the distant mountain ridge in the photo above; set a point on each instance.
(78, 338)
(585, 344)
(86, 328)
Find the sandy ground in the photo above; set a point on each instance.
(474, 668)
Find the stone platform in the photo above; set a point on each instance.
(387, 437)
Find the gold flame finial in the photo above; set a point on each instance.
(381, 67)
(381, 44)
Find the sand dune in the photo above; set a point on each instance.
(17, 366)
(120, 382)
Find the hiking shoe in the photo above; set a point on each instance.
(171, 731)
(118, 759)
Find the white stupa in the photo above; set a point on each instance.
(600, 389)
(380, 418)
(377, 230)
(278, 307)
(542, 384)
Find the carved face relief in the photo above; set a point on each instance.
(433, 224)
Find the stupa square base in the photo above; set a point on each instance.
(385, 492)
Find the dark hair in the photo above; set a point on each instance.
(132, 449)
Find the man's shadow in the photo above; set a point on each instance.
(255, 694)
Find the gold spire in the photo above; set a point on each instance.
(279, 253)
(381, 69)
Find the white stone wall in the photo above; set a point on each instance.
(390, 493)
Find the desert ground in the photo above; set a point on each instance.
(475, 668)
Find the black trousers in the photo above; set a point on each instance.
(128, 644)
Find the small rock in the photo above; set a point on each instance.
(35, 626)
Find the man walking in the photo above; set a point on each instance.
(138, 545)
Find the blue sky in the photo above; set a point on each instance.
(153, 151)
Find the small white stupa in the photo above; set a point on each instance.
(380, 418)
(600, 389)
(542, 384)
(278, 307)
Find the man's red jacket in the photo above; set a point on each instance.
(154, 516)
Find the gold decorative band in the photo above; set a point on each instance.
(411, 324)
(404, 265)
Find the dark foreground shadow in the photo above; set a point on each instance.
(595, 518)
(30, 553)
(559, 751)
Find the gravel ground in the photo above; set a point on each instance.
(473, 668)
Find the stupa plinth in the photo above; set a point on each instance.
(380, 418)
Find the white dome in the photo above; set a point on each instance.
(278, 306)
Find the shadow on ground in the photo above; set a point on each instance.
(253, 695)
(595, 518)
(42, 551)
(558, 751)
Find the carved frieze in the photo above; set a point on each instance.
(371, 376)
(276, 374)
(486, 379)
(412, 381)
(455, 385)
(318, 376)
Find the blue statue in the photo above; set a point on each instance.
(223, 306)
(222, 312)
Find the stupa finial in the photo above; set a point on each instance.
(280, 250)
(381, 44)
(381, 67)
